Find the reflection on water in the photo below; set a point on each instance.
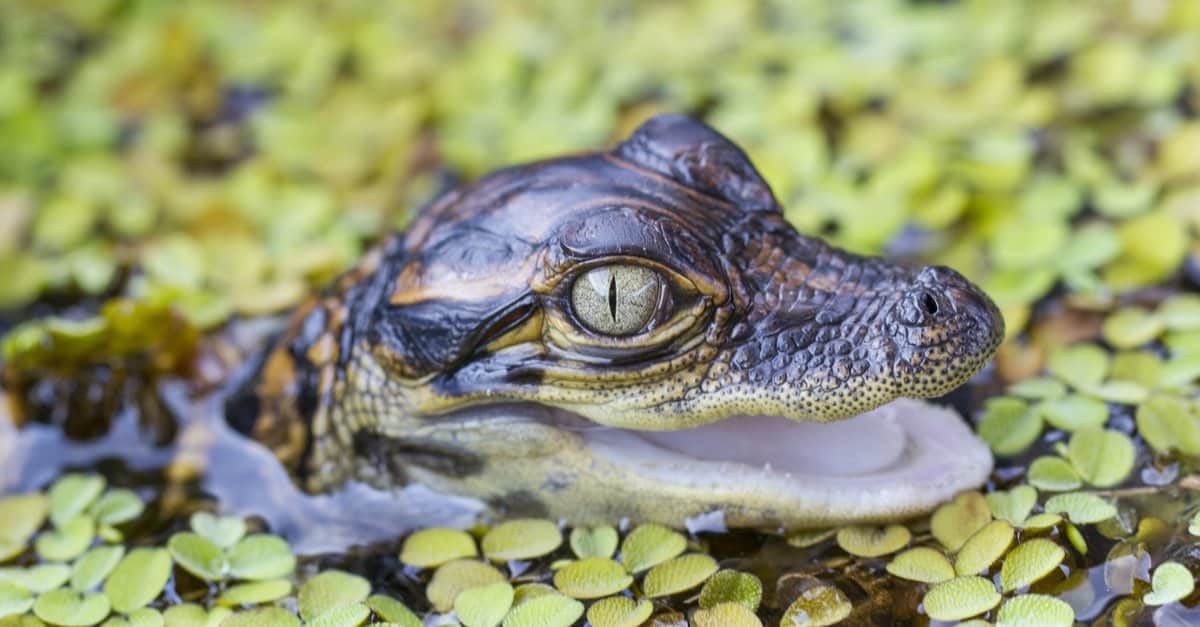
(241, 476)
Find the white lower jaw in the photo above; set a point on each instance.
(902, 458)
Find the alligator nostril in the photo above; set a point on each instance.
(929, 303)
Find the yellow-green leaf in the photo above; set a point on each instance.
(592, 578)
(1028, 562)
(436, 546)
(521, 539)
(678, 574)
(960, 598)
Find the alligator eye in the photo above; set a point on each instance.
(929, 303)
(617, 299)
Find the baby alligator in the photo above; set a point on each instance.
(634, 333)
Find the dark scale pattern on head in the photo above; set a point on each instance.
(472, 306)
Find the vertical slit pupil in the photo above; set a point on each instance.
(612, 297)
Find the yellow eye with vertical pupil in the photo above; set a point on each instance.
(617, 299)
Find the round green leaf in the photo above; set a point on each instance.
(1013, 505)
(1038, 388)
(117, 506)
(1074, 412)
(731, 586)
(193, 615)
(261, 556)
(255, 592)
(551, 610)
(484, 606)
(1009, 425)
(1131, 327)
(1079, 365)
(21, 516)
(678, 574)
(1179, 372)
(1103, 457)
(329, 590)
(818, 606)
(1035, 610)
(393, 611)
(1028, 562)
(144, 617)
(451, 579)
(351, 615)
(1114, 391)
(984, 548)
(1167, 422)
(1181, 312)
(262, 617)
(93, 567)
(68, 541)
(71, 495)
(871, 541)
(1081, 507)
(138, 579)
(592, 578)
(436, 546)
(14, 599)
(223, 531)
(1053, 474)
(956, 521)
(69, 608)
(619, 612)
(198, 555)
(38, 579)
(921, 564)
(726, 615)
(649, 545)
(960, 598)
(594, 542)
(521, 539)
(1171, 582)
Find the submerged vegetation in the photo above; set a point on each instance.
(170, 169)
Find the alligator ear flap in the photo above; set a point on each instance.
(695, 155)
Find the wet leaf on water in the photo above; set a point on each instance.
(619, 612)
(960, 598)
(1013, 505)
(330, 590)
(1053, 474)
(1035, 610)
(255, 592)
(1179, 371)
(1038, 388)
(678, 574)
(451, 579)
(260, 556)
(144, 617)
(1131, 327)
(1041, 522)
(551, 610)
(223, 531)
(810, 537)
(1166, 423)
(984, 548)
(1115, 391)
(921, 564)
(193, 615)
(1102, 457)
(350, 615)
(527, 591)
(1075, 537)
(484, 606)
(594, 541)
(432, 547)
(649, 545)
(138, 579)
(1074, 412)
(956, 521)
(1171, 582)
(1028, 562)
(71, 495)
(14, 599)
(731, 586)
(68, 541)
(21, 515)
(393, 611)
(521, 539)
(726, 615)
(39, 578)
(198, 555)
(69, 608)
(1181, 312)
(1080, 365)
(1009, 425)
(818, 606)
(262, 617)
(117, 506)
(592, 578)
(870, 541)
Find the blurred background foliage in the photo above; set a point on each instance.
(221, 158)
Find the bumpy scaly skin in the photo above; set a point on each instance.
(388, 376)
